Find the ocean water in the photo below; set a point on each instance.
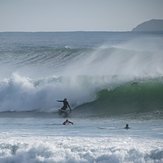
(109, 78)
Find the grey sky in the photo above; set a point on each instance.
(77, 15)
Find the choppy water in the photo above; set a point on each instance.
(109, 78)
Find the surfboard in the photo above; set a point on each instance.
(64, 113)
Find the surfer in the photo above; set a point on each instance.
(127, 127)
(65, 105)
(67, 122)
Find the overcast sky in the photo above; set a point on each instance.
(77, 15)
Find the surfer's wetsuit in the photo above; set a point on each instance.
(67, 122)
(65, 104)
(127, 127)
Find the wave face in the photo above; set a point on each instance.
(133, 97)
(103, 73)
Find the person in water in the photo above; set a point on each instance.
(67, 122)
(127, 127)
(65, 105)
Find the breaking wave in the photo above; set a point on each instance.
(109, 79)
(100, 150)
(133, 97)
(87, 94)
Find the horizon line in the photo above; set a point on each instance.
(78, 31)
(66, 31)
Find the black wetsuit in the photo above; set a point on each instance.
(65, 105)
(67, 122)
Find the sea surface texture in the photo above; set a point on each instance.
(109, 78)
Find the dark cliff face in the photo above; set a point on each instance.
(154, 25)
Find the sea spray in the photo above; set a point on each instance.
(24, 94)
(39, 68)
(132, 59)
(48, 72)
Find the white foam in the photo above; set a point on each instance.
(20, 93)
(79, 149)
(83, 76)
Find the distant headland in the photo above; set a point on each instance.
(154, 25)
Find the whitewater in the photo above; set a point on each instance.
(109, 78)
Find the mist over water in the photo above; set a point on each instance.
(137, 58)
(110, 79)
(37, 73)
